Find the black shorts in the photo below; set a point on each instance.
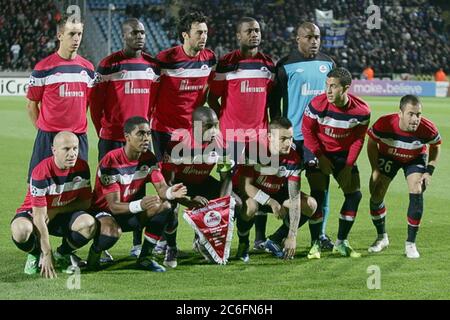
(160, 141)
(105, 146)
(42, 148)
(126, 222)
(338, 160)
(308, 158)
(59, 226)
(389, 167)
(210, 189)
(281, 196)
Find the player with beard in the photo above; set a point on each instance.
(334, 128)
(399, 141)
(185, 72)
(191, 163)
(273, 186)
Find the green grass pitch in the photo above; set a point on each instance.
(264, 277)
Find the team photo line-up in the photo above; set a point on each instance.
(137, 102)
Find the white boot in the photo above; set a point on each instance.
(411, 250)
(379, 244)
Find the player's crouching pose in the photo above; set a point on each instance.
(334, 128)
(273, 187)
(59, 192)
(121, 173)
(397, 141)
(191, 162)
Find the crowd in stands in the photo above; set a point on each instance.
(27, 33)
(413, 37)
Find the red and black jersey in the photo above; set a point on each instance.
(127, 87)
(63, 88)
(116, 173)
(53, 187)
(192, 163)
(243, 85)
(270, 176)
(400, 145)
(183, 86)
(327, 128)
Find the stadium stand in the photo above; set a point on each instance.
(27, 33)
(413, 39)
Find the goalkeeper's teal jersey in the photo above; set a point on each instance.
(298, 81)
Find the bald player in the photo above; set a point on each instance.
(300, 77)
(192, 166)
(128, 85)
(55, 204)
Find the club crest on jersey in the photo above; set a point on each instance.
(213, 157)
(212, 219)
(123, 73)
(145, 168)
(353, 121)
(282, 171)
(323, 68)
(204, 67)
(150, 71)
(77, 179)
(83, 73)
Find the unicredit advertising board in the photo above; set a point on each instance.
(13, 86)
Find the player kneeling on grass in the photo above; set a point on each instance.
(58, 194)
(397, 141)
(191, 162)
(121, 174)
(273, 186)
(334, 128)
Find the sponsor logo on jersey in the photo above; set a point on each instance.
(66, 93)
(58, 203)
(129, 89)
(300, 70)
(307, 91)
(129, 191)
(245, 88)
(184, 86)
(191, 170)
(331, 133)
(264, 181)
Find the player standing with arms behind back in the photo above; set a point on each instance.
(59, 91)
(127, 87)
